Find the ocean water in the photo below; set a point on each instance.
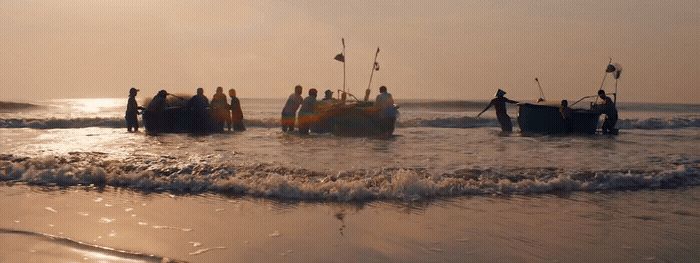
(440, 150)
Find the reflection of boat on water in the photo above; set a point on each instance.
(547, 119)
(353, 119)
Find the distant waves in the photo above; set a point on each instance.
(451, 122)
(15, 106)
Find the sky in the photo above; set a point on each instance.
(443, 49)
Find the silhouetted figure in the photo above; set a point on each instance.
(156, 110)
(607, 107)
(289, 111)
(499, 103)
(387, 112)
(328, 97)
(566, 116)
(236, 112)
(198, 107)
(132, 111)
(307, 113)
(220, 109)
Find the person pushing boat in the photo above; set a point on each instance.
(132, 111)
(307, 112)
(607, 107)
(289, 112)
(499, 103)
(236, 112)
(387, 112)
(198, 107)
(220, 109)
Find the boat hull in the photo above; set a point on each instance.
(547, 119)
(354, 120)
(181, 120)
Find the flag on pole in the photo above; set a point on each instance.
(340, 57)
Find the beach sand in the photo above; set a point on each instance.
(631, 226)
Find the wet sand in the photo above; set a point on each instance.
(633, 226)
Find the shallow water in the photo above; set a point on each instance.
(431, 193)
(419, 162)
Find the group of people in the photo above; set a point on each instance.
(606, 107)
(199, 106)
(303, 112)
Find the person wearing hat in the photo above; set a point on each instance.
(499, 103)
(289, 112)
(307, 112)
(328, 96)
(132, 111)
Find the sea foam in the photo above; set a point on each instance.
(274, 181)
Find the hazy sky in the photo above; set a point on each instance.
(457, 49)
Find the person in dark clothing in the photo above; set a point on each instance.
(566, 116)
(289, 112)
(199, 108)
(155, 111)
(608, 108)
(236, 112)
(220, 109)
(132, 111)
(499, 103)
(307, 112)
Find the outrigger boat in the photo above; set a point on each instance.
(544, 117)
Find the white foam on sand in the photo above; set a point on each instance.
(274, 181)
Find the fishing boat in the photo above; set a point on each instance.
(356, 118)
(544, 117)
(178, 118)
(350, 116)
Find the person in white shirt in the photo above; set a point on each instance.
(387, 111)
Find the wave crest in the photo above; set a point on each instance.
(272, 181)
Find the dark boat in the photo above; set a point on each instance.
(353, 119)
(177, 118)
(547, 119)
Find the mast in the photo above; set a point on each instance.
(375, 67)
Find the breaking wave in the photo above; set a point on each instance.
(453, 122)
(272, 181)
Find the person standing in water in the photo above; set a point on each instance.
(132, 111)
(236, 119)
(388, 113)
(608, 108)
(198, 107)
(220, 109)
(502, 115)
(565, 112)
(307, 113)
(289, 112)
